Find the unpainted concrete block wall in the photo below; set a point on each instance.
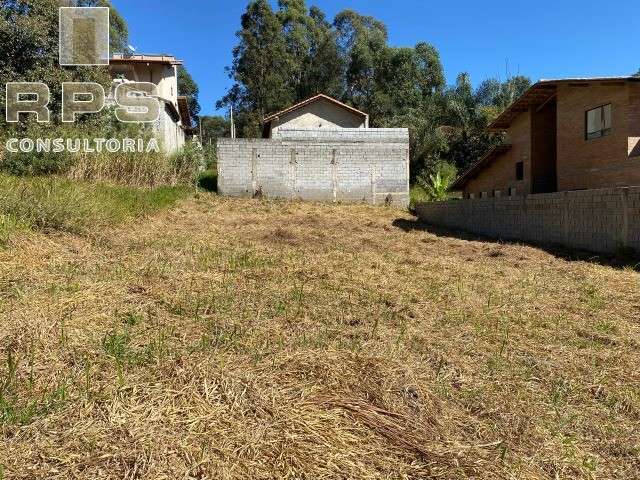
(603, 220)
(342, 165)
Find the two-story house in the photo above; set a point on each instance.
(562, 135)
(174, 122)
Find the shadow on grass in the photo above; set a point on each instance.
(208, 181)
(619, 260)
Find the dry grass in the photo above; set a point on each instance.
(228, 339)
(139, 170)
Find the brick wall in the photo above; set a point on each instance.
(633, 115)
(342, 165)
(601, 162)
(501, 173)
(595, 220)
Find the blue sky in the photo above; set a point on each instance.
(543, 39)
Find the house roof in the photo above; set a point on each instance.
(543, 91)
(312, 100)
(119, 58)
(483, 162)
(183, 109)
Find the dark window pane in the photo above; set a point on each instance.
(519, 171)
(598, 122)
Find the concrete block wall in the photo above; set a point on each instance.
(397, 136)
(602, 220)
(342, 165)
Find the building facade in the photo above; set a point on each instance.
(174, 123)
(319, 112)
(318, 150)
(563, 135)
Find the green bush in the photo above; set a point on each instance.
(188, 161)
(36, 163)
(417, 194)
(435, 184)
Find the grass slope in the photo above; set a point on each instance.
(57, 204)
(252, 339)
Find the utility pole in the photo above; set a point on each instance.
(233, 125)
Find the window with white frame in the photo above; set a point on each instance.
(598, 122)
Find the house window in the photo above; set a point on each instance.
(512, 192)
(598, 122)
(520, 171)
(483, 194)
(472, 196)
(497, 193)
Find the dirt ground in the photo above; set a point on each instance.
(237, 339)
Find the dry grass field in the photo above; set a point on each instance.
(246, 339)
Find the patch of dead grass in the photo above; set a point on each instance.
(254, 339)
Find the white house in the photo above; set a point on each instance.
(174, 122)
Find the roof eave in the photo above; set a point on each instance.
(504, 120)
(311, 100)
(477, 166)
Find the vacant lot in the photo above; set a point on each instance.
(242, 339)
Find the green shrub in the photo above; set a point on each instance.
(417, 195)
(435, 184)
(35, 163)
(188, 161)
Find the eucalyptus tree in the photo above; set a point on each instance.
(261, 69)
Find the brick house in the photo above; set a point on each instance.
(563, 135)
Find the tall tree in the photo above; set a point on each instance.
(295, 25)
(189, 88)
(29, 45)
(261, 69)
(362, 41)
(323, 65)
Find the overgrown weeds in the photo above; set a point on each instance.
(139, 169)
(51, 203)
